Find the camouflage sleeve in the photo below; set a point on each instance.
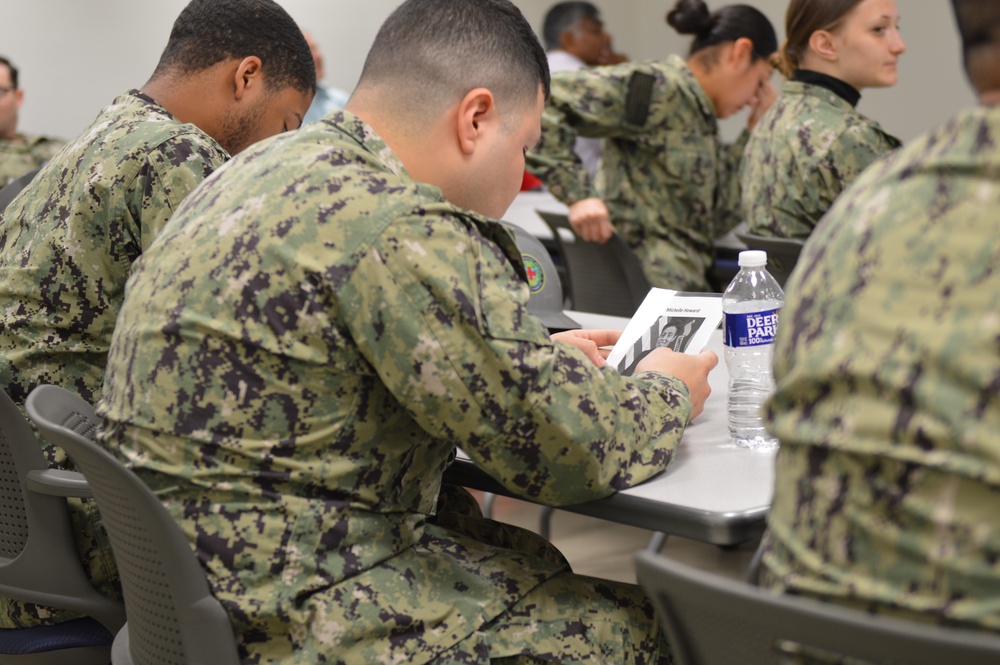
(592, 103)
(460, 352)
(170, 172)
(729, 208)
(856, 149)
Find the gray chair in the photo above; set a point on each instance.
(715, 620)
(603, 278)
(546, 289)
(14, 187)
(38, 557)
(173, 618)
(782, 253)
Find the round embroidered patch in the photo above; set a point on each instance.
(536, 276)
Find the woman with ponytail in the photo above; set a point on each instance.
(667, 182)
(813, 142)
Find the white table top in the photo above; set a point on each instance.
(712, 491)
(522, 212)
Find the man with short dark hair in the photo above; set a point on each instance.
(327, 319)
(19, 153)
(575, 38)
(233, 72)
(887, 491)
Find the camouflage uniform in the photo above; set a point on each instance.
(24, 153)
(69, 241)
(888, 405)
(668, 181)
(802, 154)
(297, 359)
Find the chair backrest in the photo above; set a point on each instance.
(39, 562)
(603, 278)
(543, 281)
(173, 618)
(715, 620)
(14, 187)
(782, 253)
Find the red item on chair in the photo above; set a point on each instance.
(529, 182)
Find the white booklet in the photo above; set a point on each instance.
(678, 320)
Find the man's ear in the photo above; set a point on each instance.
(477, 116)
(248, 76)
(823, 44)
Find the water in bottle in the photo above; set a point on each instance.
(751, 305)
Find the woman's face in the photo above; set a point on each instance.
(743, 87)
(734, 80)
(868, 45)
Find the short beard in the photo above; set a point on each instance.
(240, 130)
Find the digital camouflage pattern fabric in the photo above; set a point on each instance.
(298, 357)
(887, 493)
(26, 152)
(69, 242)
(671, 186)
(808, 147)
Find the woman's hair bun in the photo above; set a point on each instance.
(690, 17)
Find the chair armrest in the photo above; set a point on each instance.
(57, 482)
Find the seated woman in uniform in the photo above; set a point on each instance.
(667, 183)
(813, 142)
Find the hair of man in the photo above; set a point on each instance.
(430, 53)
(211, 31)
(566, 17)
(4, 62)
(726, 25)
(979, 27)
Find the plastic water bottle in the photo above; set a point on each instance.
(751, 305)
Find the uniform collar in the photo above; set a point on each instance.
(842, 89)
(704, 101)
(362, 133)
(356, 129)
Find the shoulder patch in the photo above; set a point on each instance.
(639, 97)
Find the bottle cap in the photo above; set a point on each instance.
(753, 258)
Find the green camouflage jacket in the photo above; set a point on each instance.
(802, 154)
(69, 242)
(20, 155)
(670, 184)
(888, 404)
(298, 357)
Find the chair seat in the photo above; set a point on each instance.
(85, 632)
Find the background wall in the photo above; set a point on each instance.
(76, 56)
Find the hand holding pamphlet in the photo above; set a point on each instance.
(678, 320)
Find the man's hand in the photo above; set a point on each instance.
(590, 342)
(590, 219)
(692, 370)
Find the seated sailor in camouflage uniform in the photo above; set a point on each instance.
(887, 493)
(813, 143)
(667, 184)
(233, 72)
(19, 152)
(328, 317)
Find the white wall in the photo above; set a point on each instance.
(75, 56)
